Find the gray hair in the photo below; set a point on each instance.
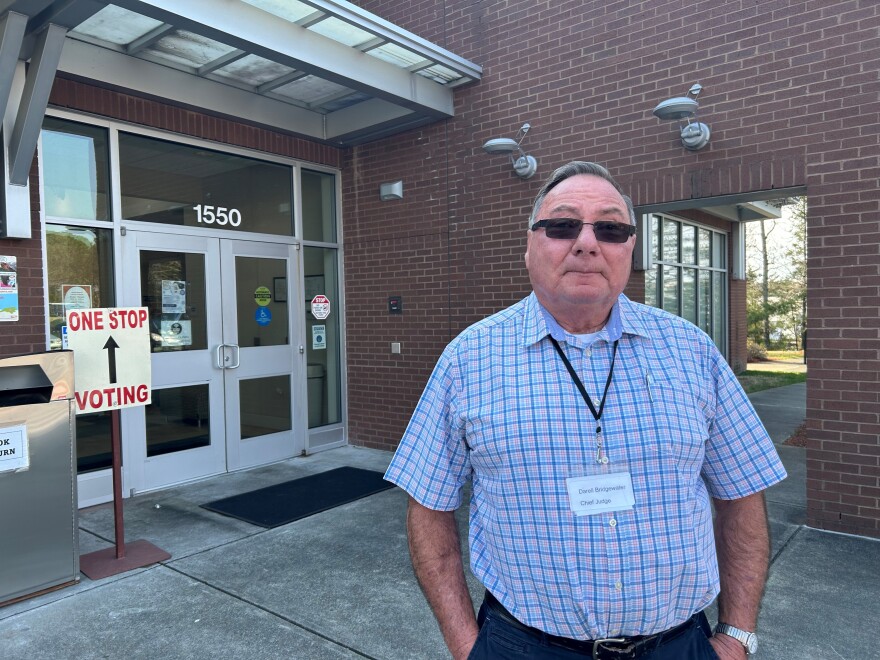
(575, 168)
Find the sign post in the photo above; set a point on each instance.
(111, 351)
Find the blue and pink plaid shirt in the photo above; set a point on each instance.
(500, 409)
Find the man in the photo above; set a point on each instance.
(595, 431)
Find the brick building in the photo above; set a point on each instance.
(790, 92)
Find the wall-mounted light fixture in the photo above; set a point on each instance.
(683, 109)
(390, 191)
(524, 165)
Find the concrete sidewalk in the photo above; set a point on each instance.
(339, 585)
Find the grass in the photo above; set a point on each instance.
(755, 381)
(785, 355)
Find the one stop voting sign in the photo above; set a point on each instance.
(111, 357)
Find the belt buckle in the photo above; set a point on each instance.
(596, 643)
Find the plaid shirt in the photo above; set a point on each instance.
(501, 409)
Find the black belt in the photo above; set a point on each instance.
(612, 648)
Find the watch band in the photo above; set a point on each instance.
(749, 640)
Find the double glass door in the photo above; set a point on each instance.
(225, 358)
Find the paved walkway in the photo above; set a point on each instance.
(339, 585)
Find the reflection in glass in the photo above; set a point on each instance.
(705, 239)
(670, 241)
(264, 406)
(718, 315)
(323, 354)
(75, 170)
(651, 277)
(705, 305)
(655, 237)
(262, 318)
(670, 289)
(79, 264)
(689, 294)
(93, 451)
(688, 245)
(178, 184)
(177, 420)
(319, 206)
(173, 290)
(719, 251)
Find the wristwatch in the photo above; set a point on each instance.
(748, 639)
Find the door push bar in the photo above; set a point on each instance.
(223, 358)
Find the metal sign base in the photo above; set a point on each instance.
(122, 556)
(104, 563)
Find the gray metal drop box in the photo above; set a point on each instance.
(38, 520)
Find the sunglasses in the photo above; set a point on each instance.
(606, 231)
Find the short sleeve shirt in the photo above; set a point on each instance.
(501, 410)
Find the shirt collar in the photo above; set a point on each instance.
(539, 323)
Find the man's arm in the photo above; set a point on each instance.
(742, 540)
(435, 550)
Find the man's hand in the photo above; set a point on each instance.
(435, 550)
(727, 648)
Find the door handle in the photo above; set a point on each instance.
(220, 353)
(237, 355)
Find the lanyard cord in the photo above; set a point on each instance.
(577, 381)
(600, 454)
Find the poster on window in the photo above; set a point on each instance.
(173, 297)
(77, 296)
(176, 333)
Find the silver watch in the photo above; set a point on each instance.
(748, 639)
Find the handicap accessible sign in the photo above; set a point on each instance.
(263, 316)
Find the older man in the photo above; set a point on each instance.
(595, 432)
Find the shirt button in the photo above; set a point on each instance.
(618, 585)
(613, 522)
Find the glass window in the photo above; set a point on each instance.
(705, 249)
(323, 354)
(689, 294)
(670, 241)
(177, 419)
(173, 289)
(670, 289)
(319, 206)
(260, 277)
(264, 406)
(688, 245)
(80, 267)
(655, 238)
(719, 251)
(178, 184)
(705, 304)
(719, 296)
(689, 277)
(651, 278)
(75, 170)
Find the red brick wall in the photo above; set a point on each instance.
(791, 95)
(28, 334)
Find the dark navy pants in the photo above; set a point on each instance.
(500, 640)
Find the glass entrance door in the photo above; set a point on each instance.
(223, 368)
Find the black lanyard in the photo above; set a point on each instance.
(597, 414)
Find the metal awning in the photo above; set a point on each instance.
(324, 69)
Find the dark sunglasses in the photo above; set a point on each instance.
(606, 231)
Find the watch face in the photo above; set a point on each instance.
(752, 644)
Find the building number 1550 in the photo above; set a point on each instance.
(220, 215)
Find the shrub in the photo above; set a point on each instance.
(757, 353)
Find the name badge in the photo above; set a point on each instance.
(600, 493)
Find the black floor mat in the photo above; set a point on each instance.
(283, 503)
